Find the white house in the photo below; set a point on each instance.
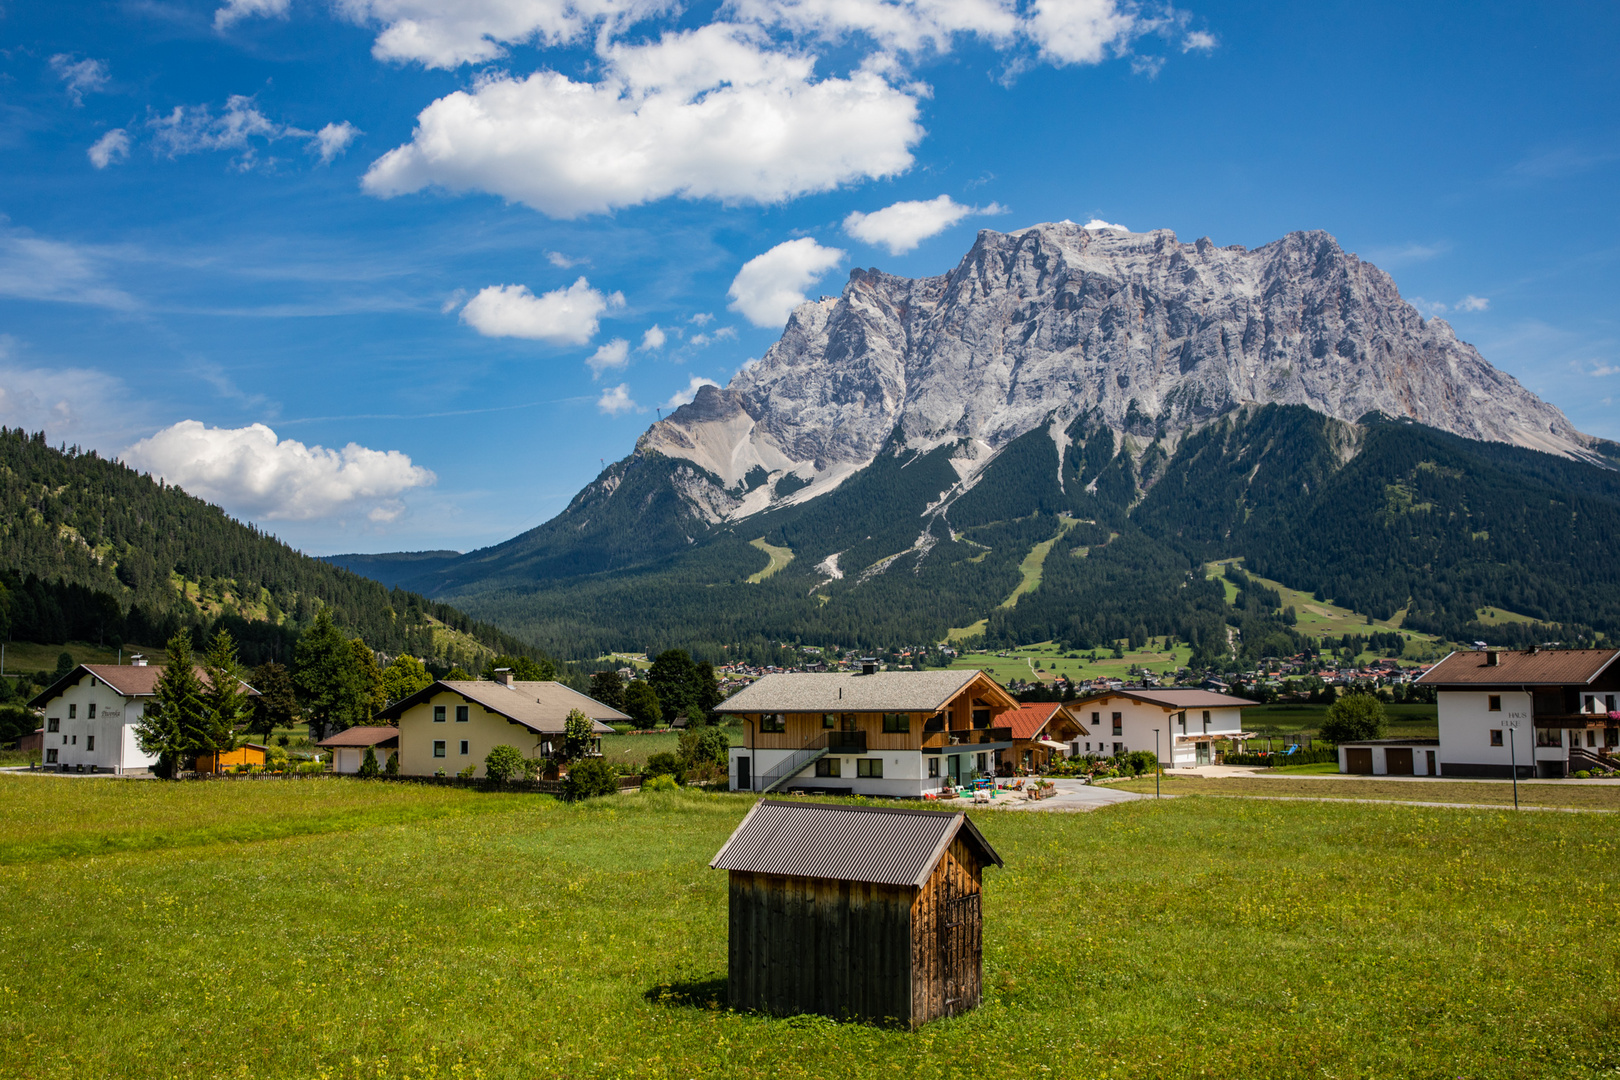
(1549, 711)
(349, 746)
(887, 733)
(451, 725)
(91, 714)
(1184, 725)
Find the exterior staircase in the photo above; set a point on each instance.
(807, 755)
(1581, 758)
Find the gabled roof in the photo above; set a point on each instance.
(125, 679)
(372, 735)
(881, 691)
(1542, 667)
(1172, 699)
(542, 707)
(1027, 721)
(870, 844)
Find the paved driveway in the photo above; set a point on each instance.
(1071, 795)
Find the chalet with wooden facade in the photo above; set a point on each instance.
(856, 912)
(1189, 723)
(452, 724)
(1551, 711)
(888, 733)
(1041, 732)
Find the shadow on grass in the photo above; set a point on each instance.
(710, 993)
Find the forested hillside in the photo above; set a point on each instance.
(92, 550)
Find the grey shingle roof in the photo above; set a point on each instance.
(882, 691)
(542, 707)
(846, 843)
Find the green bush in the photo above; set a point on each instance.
(392, 768)
(590, 778)
(1353, 718)
(369, 769)
(660, 782)
(467, 773)
(703, 746)
(503, 764)
(665, 764)
(535, 767)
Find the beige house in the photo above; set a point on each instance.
(451, 725)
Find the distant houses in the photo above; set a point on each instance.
(1182, 726)
(448, 726)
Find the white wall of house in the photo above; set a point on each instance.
(104, 741)
(1467, 722)
(1380, 759)
(905, 772)
(1135, 729)
(481, 732)
(348, 759)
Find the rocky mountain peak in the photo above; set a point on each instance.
(1141, 332)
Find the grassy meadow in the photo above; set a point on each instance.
(1334, 785)
(379, 931)
(1156, 655)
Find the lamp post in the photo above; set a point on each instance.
(1513, 756)
(1158, 769)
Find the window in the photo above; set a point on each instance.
(53, 725)
(1611, 737)
(91, 711)
(935, 722)
(89, 742)
(1119, 748)
(438, 748)
(463, 714)
(438, 714)
(1088, 748)
(463, 747)
(1206, 719)
(982, 764)
(1493, 703)
(73, 712)
(829, 720)
(1591, 736)
(774, 721)
(933, 768)
(897, 722)
(981, 718)
(1496, 736)
(1591, 704)
(1096, 719)
(1549, 736)
(75, 740)
(1119, 724)
(1183, 718)
(50, 756)
(1608, 703)
(870, 767)
(830, 766)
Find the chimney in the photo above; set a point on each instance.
(137, 660)
(1491, 657)
(868, 665)
(503, 675)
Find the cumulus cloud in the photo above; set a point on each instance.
(909, 26)
(769, 286)
(80, 76)
(613, 355)
(683, 397)
(333, 139)
(722, 333)
(243, 9)
(1099, 225)
(702, 318)
(249, 471)
(653, 339)
(903, 226)
(437, 34)
(1081, 31)
(561, 317)
(1199, 41)
(1473, 303)
(111, 147)
(616, 400)
(706, 113)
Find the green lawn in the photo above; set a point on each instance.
(780, 557)
(1154, 656)
(1033, 563)
(1571, 796)
(28, 656)
(1405, 721)
(421, 932)
(634, 750)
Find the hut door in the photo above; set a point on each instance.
(959, 944)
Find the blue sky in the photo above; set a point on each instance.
(363, 224)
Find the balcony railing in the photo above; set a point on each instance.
(967, 737)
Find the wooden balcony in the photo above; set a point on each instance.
(938, 740)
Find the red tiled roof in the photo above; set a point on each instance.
(1028, 720)
(1545, 667)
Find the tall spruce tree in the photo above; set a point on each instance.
(228, 702)
(174, 723)
(277, 703)
(330, 686)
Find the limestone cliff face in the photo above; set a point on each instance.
(1142, 332)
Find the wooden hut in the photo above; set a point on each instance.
(854, 911)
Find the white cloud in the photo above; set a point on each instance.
(903, 226)
(1099, 225)
(81, 76)
(1081, 31)
(1603, 370)
(1199, 41)
(242, 9)
(707, 113)
(563, 262)
(32, 268)
(562, 317)
(654, 338)
(1473, 303)
(611, 356)
(683, 397)
(769, 286)
(702, 318)
(111, 147)
(1409, 252)
(333, 139)
(615, 400)
(73, 405)
(438, 34)
(907, 26)
(250, 471)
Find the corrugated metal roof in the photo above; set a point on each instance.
(1544, 667)
(846, 843)
(882, 691)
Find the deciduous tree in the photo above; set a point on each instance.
(1355, 717)
(641, 704)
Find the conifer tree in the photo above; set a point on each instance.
(173, 724)
(329, 681)
(229, 704)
